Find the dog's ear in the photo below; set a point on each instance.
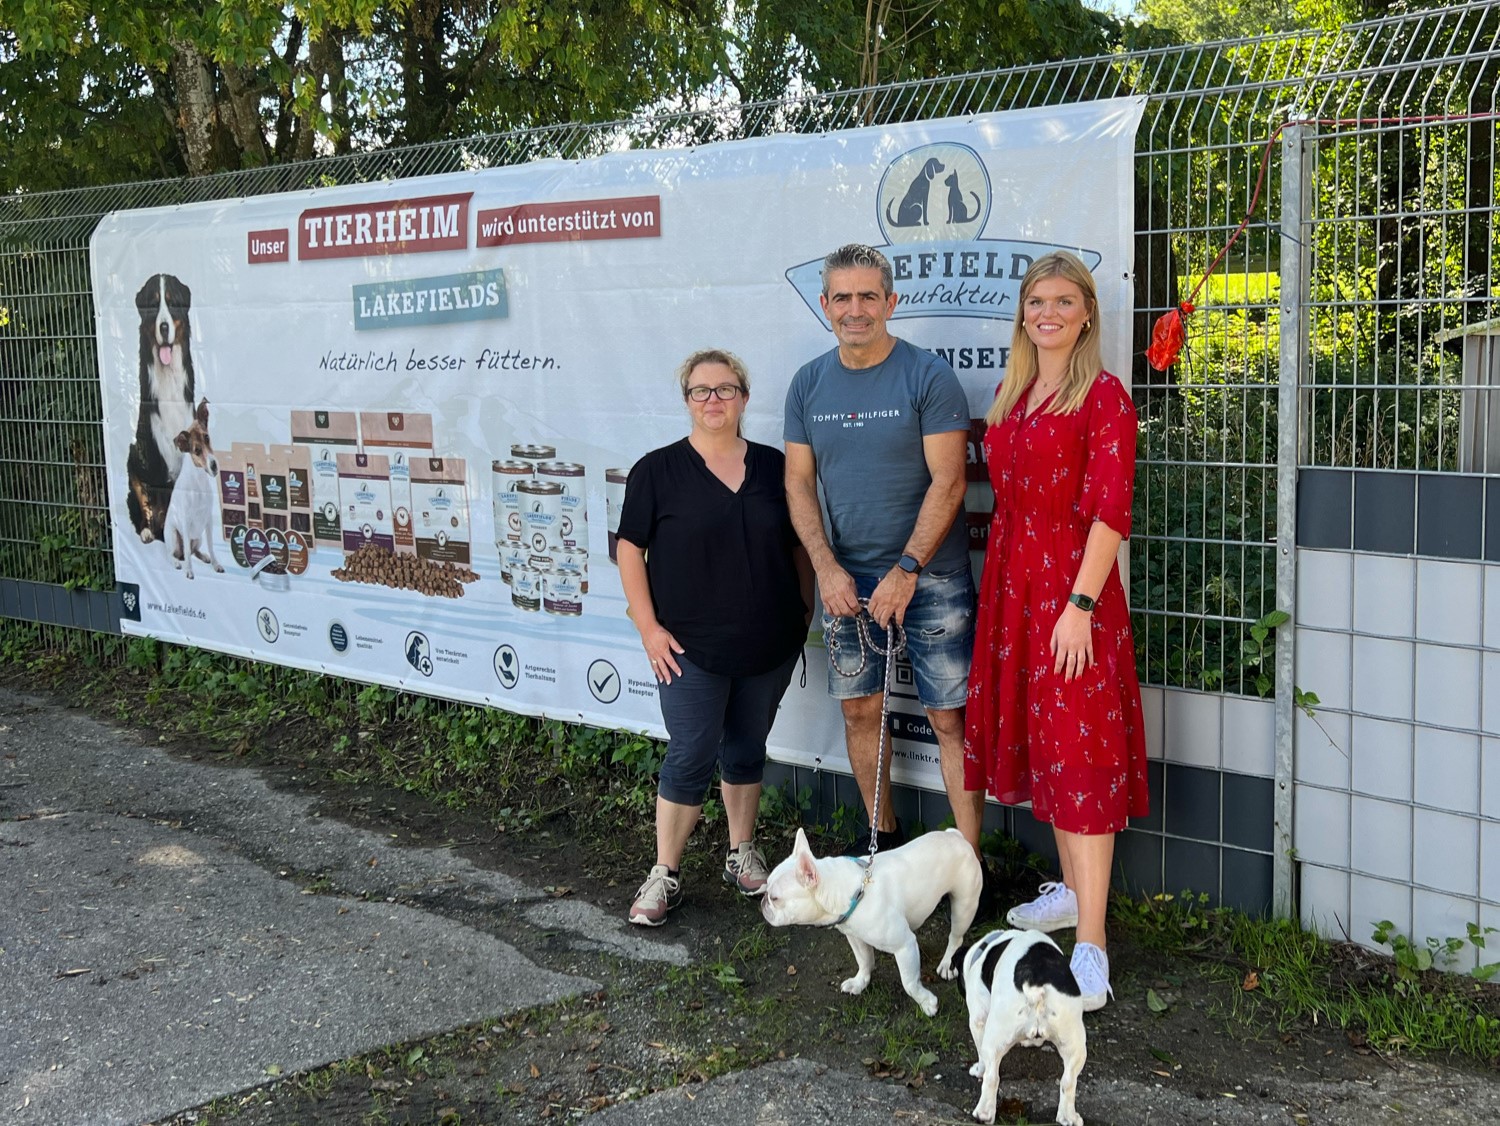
(800, 845)
(183, 441)
(202, 413)
(806, 868)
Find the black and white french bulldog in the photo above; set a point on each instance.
(905, 885)
(1021, 990)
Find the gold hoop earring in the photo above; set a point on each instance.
(1088, 324)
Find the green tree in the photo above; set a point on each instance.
(246, 83)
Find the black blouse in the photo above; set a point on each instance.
(720, 563)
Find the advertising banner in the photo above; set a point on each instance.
(384, 430)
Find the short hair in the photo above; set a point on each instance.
(714, 356)
(856, 255)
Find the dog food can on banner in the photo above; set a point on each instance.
(526, 588)
(562, 591)
(511, 557)
(579, 563)
(614, 501)
(504, 477)
(533, 454)
(573, 534)
(541, 515)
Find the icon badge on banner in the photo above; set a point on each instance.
(267, 625)
(604, 681)
(130, 601)
(338, 637)
(507, 667)
(419, 652)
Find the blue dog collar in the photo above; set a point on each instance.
(859, 892)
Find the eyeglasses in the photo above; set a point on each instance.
(723, 391)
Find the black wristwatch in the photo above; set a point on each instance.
(1082, 601)
(909, 564)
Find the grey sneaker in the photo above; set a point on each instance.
(658, 895)
(1091, 968)
(746, 869)
(1054, 910)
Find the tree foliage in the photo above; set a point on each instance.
(119, 92)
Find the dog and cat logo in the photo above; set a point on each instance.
(933, 205)
(939, 191)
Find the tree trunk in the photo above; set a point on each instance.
(243, 111)
(193, 88)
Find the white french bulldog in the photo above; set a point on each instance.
(1021, 990)
(905, 885)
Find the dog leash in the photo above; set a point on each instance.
(895, 646)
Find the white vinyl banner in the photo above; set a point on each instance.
(396, 418)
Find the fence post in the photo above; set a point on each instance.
(1296, 204)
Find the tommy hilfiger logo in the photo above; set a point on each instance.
(856, 416)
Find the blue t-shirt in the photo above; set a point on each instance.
(865, 427)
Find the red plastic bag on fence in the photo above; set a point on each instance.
(1167, 338)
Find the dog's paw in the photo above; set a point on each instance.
(928, 1005)
(146, 536)
(947, 970)
(983, 1112)
(977, 1071)
(218, 569)
(854, 985)
(1066, 1119)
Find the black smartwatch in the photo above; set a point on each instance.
(909, 564)
(1082, 601)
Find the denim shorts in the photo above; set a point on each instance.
(939, 628)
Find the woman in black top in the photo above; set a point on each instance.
(719, 589)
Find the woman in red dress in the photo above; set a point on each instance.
(1054, 708)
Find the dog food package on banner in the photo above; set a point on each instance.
(440, 509)
(325, 434)
(298, 462)
(365, 501)
(231, 493)
(273, 493)
(401, 437)
(252, 456)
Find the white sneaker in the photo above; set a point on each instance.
(1055, 909)
(1091, 967)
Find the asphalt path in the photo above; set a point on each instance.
(155, 954)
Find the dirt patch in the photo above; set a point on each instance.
(754, 994)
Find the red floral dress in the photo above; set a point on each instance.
(1076, 751)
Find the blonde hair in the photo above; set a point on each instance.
(1084, 365)
(716, 356)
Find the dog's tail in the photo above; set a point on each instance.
(1035, 1011)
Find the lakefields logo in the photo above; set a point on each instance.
(934, 204)
(474, 296)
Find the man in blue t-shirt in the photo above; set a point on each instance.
(883, 426)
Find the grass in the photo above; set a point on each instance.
(1277, 974)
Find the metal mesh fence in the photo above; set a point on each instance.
(1401, 252)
